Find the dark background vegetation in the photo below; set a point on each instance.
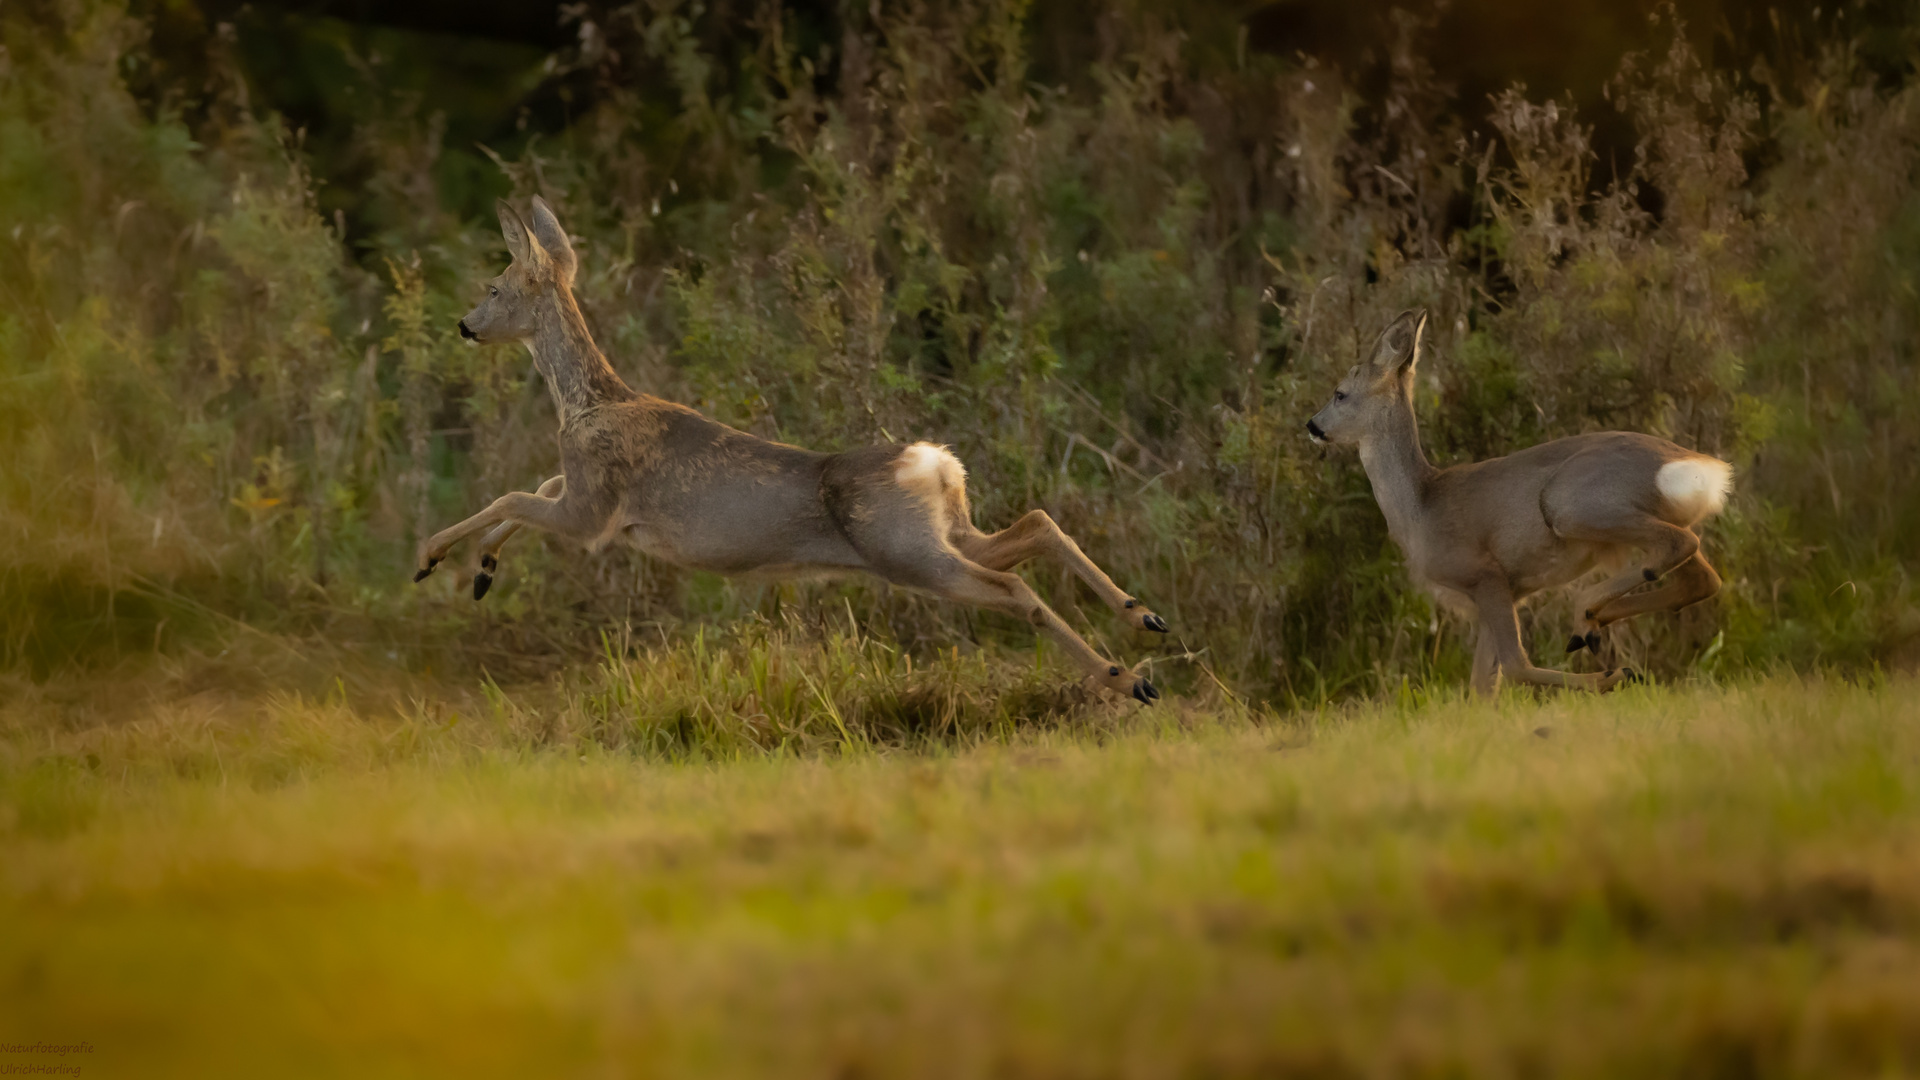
(1113, 253)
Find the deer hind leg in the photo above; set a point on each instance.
(1693, 581)
(1037, 534)
(491, 543)
(968, 582)
(1666, 547)
(1500, 630)
(519, 508)
(906, 526)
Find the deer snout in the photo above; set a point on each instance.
(466, 333)
(1314, 432)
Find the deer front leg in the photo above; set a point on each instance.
(1500, 626)
(491, 544)
(1037, 534)
(1486, 665)
(518, 507)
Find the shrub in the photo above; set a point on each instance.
(1118, 299)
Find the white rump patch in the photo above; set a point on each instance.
(928, 470)
(1696, 486)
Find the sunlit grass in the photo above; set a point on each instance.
(1693, 881)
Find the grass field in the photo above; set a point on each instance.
(1698, 881)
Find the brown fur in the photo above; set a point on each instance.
(696, 493)
(1486, 535)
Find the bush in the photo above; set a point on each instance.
(1118, 299)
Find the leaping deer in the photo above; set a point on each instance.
(1486, 535)
(699, 494)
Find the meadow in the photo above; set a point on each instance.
(1698, 880)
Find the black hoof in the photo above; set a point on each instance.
(420, 575)
(1155, 623)
(481, 583)
(1629, 677)
(1144, 693)
(1576, 643)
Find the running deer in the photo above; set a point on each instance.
(699, 494)
(1486, 535)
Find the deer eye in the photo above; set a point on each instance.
(1339, 395)
(493, 290)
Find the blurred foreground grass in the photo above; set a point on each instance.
(1694, 881)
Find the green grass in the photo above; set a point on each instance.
(1698, 881)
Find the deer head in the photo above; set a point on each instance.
(1375, 387)
(542, 269)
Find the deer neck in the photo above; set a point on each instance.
(1399, 472)
(577, 373)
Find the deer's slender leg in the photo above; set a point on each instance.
(968, 582)
(1486, 664)
(1501, 627)
(1691, 583)
(491, 544)
(1666, 546)
(519, 507)
(1037, 534)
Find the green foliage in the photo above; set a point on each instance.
(1117, 298)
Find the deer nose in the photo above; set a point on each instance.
(1314, 432)
(466, 333)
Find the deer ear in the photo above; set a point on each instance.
(1398, 346)
(547, 230)
(520, 239)
(1419, 336)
